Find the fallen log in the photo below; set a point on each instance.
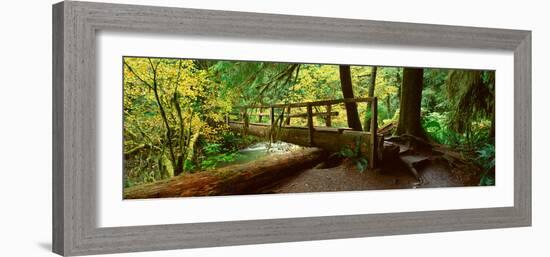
(246, 178)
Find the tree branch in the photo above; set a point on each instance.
(135, 74)
(162, 112)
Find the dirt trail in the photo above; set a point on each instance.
(435, 171)
(344, 177)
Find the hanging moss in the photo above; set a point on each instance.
(471, 95)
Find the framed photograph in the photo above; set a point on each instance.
(183, 128)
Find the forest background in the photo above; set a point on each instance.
(174, 108)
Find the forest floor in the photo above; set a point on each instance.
(437, 171)
(313, 170)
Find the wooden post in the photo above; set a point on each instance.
(287, 121)
(260, 116)
(328, 119)
(373, 133)
(245, 120)
(272, 123)
(272, 116)
(227, 118)
(310, 124)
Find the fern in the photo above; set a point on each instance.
(355, 155)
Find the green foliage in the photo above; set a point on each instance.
(487, 155)
(433, 97)
(168, 105)
(461, 117)
(477, 140)
(436, 126)
(188, 165)
(233, 141)
(212, 161)
(486, 180)
(255, 82)
(212, 156)
(471, 95)
(486, 159)
(222, 152)
(355, 154)
(212, 148)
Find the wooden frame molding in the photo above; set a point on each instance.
(74, 130)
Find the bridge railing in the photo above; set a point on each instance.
(244, 112)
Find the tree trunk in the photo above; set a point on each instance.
(248, 178)
(411, 97)
(347, 90)
(399, 85)
(372, 86)
(388, 106)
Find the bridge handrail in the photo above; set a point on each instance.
(315, 103)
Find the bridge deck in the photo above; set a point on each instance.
(330, 139)
(326, 137)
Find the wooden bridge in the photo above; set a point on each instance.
(327, 137)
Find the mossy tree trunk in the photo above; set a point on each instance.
(372, 86)
(411, 98)
(248, 178)
(347, 90)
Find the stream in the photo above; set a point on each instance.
(259, 150)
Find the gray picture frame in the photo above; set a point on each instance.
(75, 25)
